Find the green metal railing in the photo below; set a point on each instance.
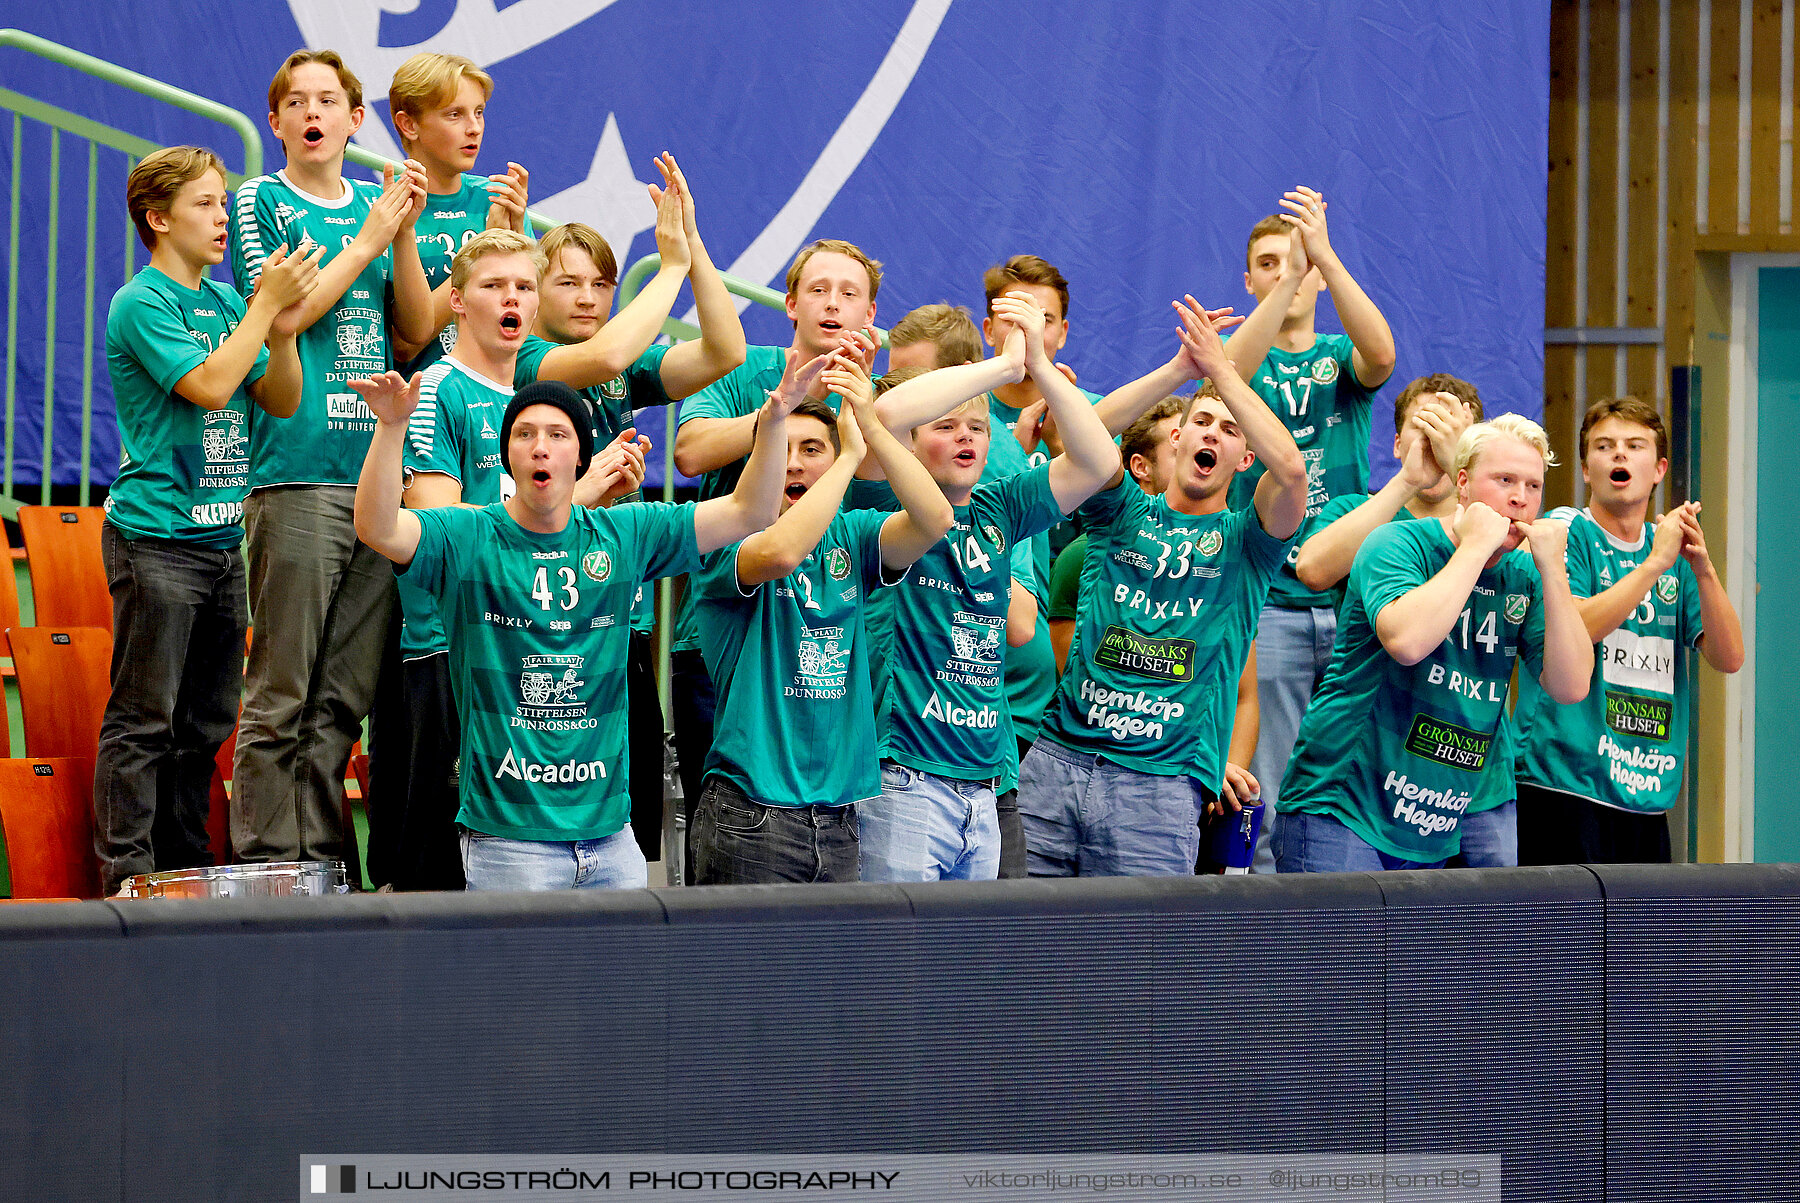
(95, 135)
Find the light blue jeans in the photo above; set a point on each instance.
(1490, 840)
(1088, 817)
(492, 862)
(1293, 648)
(1309, 843)
(929, 828)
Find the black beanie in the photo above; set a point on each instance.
(551, 392)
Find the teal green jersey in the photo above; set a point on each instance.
(944, 710)
(1169, 604)
(325, 441)
(183, 470)
(1065, 581)
(794, 723)
(1625, 744)
(1398, 753)
(1495, 786)
(740, 391)
(538, 637)
(1318, 398)
(613, 404)
(448, 222)
(1003, 415)
(455, 430)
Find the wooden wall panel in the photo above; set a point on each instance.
(1765, 116)
(1605, 190)
(1682, 150)
(1644, 150)
(1722, 97)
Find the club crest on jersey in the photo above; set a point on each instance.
(994, 536)
(1516, 605)
(597, 565)
(614, 389)
(1667, 587)
(223, 437)
(1325, 370)
(447, 338)
(1210, 543)
(357, 341)
(837, 563)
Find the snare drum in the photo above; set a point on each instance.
(278, 879)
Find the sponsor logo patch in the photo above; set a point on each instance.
(1639, 717)
(1141, 656)
(1447, 744)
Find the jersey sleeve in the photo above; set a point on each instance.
(723, 398)
(1264, 551)
(643, 379)
(254, 233)
(1352, 393)
(717, 579)
(1531, 632)
(1388, 566)
(860, 531)
(529, 360)
(661, 535)
(1024, 504)
(1578, 555)
(434, 432)
(1027, 570)
(152, 332)
(444, 534)
(1065, 580)
(1122, 502)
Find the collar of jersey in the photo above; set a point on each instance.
(297, 190)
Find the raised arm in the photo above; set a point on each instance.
(1089, 458)
(771, 554)
(381, 521)
(1251, 344)
(1602, 613)
(1414, 623)
(1568, 652)
(927, 398)
(375, 237)
(283, 287)
(1373, 358)
(412, 321)
(1326, 556)
(1281, 493)
(691, 366)
(1129, 402)
(1722, 635)
(926, 514)
(756, 502)
(616, 345)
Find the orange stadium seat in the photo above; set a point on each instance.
(68, 577)
(65, 677)
(47, 812)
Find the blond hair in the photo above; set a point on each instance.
(492, 242)
(159, 178)
(949, 328)
(1512, 426)
(836, 246)
(430, 81)
(584, 238)
(278, 87)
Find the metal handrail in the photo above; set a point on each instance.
(143, 84)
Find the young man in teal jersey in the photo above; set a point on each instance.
(1147, 450)
(941, 738)
(187, 358)
(1401, 732)
(831, 291)
(782, 623)
(1322, 388)
(535, 594)
(573, 341)
(319, 599)
(1430, 415)
(438, 104)
(1133, 748)
(1596, 780)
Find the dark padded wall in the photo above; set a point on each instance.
(1620, 1035)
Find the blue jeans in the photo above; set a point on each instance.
(492, 862)
(1309, 843)
(1087, 817)
(1293, 648)
(740, 841)
(177, 670)
(929, 828)
(1490, 840)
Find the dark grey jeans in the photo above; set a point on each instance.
(320, 601)
(739, 841)
(177, 669)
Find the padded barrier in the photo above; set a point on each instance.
(1614, 1034)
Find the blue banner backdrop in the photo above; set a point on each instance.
(1131, 143)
